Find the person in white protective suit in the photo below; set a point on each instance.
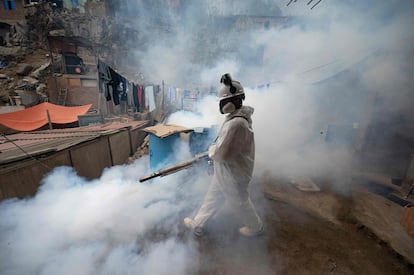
(233, 158)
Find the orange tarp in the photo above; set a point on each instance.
(35, 117)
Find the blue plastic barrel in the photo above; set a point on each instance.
(201, 138)
(161, 150)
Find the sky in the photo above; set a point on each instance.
(324, 66)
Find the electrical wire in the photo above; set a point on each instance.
(308, 3)
(26, 153)
(316, 4)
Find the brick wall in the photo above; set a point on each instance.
(77, 94)
(12, 15)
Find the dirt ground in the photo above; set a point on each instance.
(295, 242)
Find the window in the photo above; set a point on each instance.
(9, 5)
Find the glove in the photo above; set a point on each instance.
(211, 150)
(210, 167)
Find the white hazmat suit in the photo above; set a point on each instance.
(233, 155)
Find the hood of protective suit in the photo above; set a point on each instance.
(245, 112)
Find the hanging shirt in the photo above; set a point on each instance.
(104, 77)
(123, 91)
(149, 91)
(116, 79)
(135, 96)
(130, 94)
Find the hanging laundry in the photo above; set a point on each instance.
(130, 94)
(186, 93)
(123, 91)
(116, 79)
(171, 95)
(141, 98)
(135, 96)
(149, 91)
(104, 77)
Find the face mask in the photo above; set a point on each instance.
(228, 108)
(231, 104)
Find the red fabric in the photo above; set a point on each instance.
(35, 117)
(140, 95)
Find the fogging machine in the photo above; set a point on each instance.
(177, 167)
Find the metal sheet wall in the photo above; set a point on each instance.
(120, 147)
(24, 179)
(88, 159)
(91, 158)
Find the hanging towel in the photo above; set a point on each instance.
(149, 91)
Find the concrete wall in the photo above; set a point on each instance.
(89, 160)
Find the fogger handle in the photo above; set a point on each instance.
(175, 168)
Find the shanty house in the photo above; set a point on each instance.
(74, 80)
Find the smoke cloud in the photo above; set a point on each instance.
(112, 225)
(343, 62)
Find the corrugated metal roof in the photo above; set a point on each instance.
(42, 142)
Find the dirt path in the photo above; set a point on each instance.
(294, 243)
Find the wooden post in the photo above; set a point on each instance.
(48, 119)
(162, 97)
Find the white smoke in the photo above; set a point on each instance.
(207, 115)
(73, 226)
(324, 66)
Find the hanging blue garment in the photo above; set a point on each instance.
(74, 3)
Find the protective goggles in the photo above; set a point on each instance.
(236, 100)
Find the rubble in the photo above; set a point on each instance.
(24, 69)
(141, 151)
(3, 64)
(10, 51)
(37, 73)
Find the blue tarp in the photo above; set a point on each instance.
(3, 64)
